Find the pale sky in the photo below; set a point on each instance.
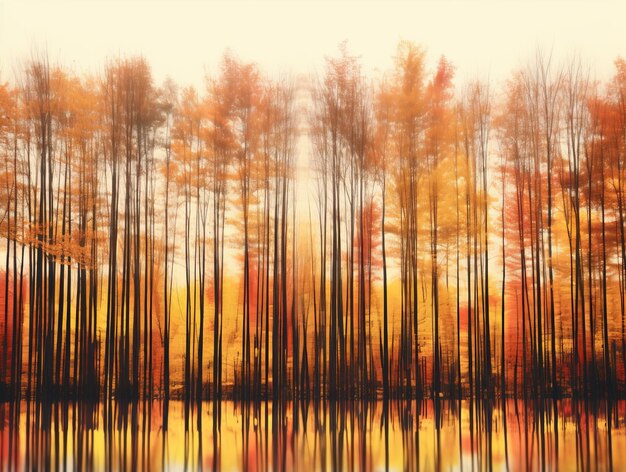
(186, 39)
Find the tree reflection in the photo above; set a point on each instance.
(311, 435)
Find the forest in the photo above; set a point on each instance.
(335, 236)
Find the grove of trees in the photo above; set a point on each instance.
(334, 237)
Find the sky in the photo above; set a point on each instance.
(185, 40)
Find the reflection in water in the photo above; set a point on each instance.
(441, 435)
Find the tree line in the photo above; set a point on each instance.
(428, 240)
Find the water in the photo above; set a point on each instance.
(444, 435)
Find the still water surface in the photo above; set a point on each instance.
(445, 435)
